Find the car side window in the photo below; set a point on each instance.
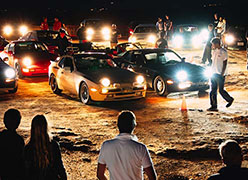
(11, 47)
(61, 63)
(68, 63)
(137, 58)
(128, 56)
(7, 48)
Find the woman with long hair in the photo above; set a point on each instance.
(42, 155)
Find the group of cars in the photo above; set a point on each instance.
(95, 74)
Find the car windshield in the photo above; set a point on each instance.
(162, 57)
(29, 47)
(94, 23)
(187, 29)
(148, 29)
(93, 63)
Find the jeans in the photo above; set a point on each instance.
(218, 81)
(207, 55)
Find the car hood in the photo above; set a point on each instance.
(115, 75)
(170, 70)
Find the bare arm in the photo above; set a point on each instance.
(101, 168)
(224, 67)
(150, 172)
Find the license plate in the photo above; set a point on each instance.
(240, 43)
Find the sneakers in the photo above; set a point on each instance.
(229, 103)
(212, 109)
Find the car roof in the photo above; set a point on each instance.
(150, 50)
(22, 41)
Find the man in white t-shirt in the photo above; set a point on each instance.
(124, 156)
(219, 70)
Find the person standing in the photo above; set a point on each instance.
(208, 47)
(220, 28)
(57, 24)
(114, 36)
(42, 154)
(219, 70)
(63, 42)
(160, 27)
(231, 155)
(11, 149)
(168, 26)
(44, 24)
(215, 23)
(81, 32)
(124, 156)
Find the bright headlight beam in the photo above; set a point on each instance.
(7, 30)
(182, 75)
(132, 39)
(90, 31)
(27, 61)
(196, 41)
(178, 41)
(10, 73)
(105, 82)
(151, 39)
(105, 31)
(229, 39)
(208, 72)
(204, 34)
(140, 79)
(23, 30)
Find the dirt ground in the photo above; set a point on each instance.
(182, 145)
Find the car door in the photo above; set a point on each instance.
(66, 74)
(10, 53)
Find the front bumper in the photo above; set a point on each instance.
(118, 94)
(35, 71)
(188, 86)
(8, 84)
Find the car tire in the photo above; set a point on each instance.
(202, 93)
(19, 71)
(13, 91)
(84, 94)
(54, 85)
(159, 86)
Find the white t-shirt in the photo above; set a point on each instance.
(124, 157)
(218, 57)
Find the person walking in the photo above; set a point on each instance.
(168, 27)
(124, 156)
(44, 24)
(160, 28)
(208, 48)
(231, 155)
(11, 150)
(42, 154)
(219, 70)
(57, 24)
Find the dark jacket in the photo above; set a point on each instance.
(11, 155)
(81, 33)
(55, 170)
(63, 43)
(230, 173)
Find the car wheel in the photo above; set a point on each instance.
(84, 94)
(19, 71)
(54, 85)
(159, 86)
(202, 93)
(14, 90)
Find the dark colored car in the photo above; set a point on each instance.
(29, 58)
(93, 76)
(235, 38)
(47, 37)
(8, 78)
(165, 71)
(3, 43)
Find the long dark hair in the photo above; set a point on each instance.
(40, 142)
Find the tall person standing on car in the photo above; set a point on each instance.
(215, 23)
(219, 70)
(160, 27)
(114, 36)
(168, 26)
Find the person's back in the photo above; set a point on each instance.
(125, 157)
(11, 149)
(230, 173)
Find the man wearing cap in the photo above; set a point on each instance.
(219, 71)
(63, 42)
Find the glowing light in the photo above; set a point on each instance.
(105, 82)
(104, 91)
(7, 30)
(178, 41)
(106, 31)
(23, 30)
(170, 82)
(93, 89)
(204, 34)
(229, 39)
(27, 61)
(10, 73)
(90, 31)
(184, 85)
(182, 75)
(152, 39)
(196, 41)
(140, 79)
(208, 72)
(132, 39)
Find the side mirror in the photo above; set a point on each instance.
(183, 59)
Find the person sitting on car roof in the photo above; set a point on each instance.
(161, 43)
(57, 24)
(44, 24)
(231, 155)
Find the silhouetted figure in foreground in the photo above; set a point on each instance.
(231, 155)
(11, 148)
(63, 42)
(42, 155)
(124, 156)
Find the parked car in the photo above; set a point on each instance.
(93, 76)
(165, 71)
(145, 34)
(47, 37)
(8, 78)
(235, 38)
(29, 58)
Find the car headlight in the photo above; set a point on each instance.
(7, 30)
(152, 39)
(196, 41)
(23, 30)
(132, 39)
(204, 34)
(10, 73)
(27, 61)
(178, 41)
(229, 39)
(106, 31)
(90, 31)
(105, 82)
(140, 79)
(182, 75)
(208, 72)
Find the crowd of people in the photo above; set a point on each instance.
(124, 156)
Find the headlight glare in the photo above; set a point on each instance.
(7, 30)
(178, 41)
(132, 39)
(105, 31)
(90, 31)
(182, 75)
(208, 72)
(140, 79)
(10, 73)
(229, 39)
(27, 61)
(105, 82)
(152, 39)
(23, 30)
